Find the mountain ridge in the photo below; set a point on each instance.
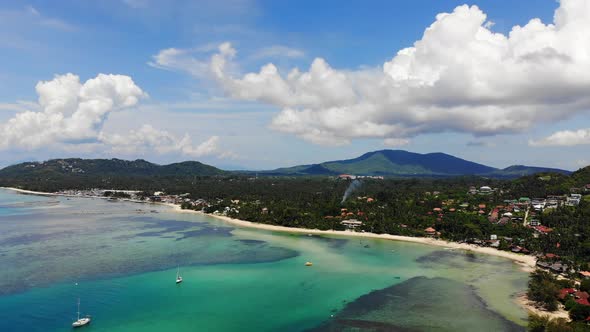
(114, 166)
(409, 164)
(392, 163)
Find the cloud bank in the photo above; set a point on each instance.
(564, 138)
(72, 114)
(459, 77)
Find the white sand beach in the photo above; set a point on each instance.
(527, 262)
(523, 301)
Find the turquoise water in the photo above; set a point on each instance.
(120, 258)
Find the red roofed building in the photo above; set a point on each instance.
(543, 229)
(585, 274)
(430, 231)
(581, 295)
(582, 298)
(494, 215)
(563, 293)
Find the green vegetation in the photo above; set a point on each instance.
(58, 174)
(543, 289)
(545, 324)
(579, 312)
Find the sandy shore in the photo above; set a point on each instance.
(523, 301)
(527, 262)
(41, 193)
(23, 191)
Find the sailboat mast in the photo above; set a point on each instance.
(78, 308)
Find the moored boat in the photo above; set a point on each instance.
(178, 277)
(81, 321)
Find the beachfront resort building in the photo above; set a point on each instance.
(351, 224)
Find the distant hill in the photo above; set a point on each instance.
(520, 170)
(58, 174)
(408, 164)
(100, 167)
(76, 173)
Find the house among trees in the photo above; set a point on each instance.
(351, 224)
(430, 232)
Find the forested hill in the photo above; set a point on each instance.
(105, 173)
(408, 164)
(541, 185)
(77, 173)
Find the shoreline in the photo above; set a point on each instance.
(527, 263)
(523, 301)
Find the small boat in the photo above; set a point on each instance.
(81, 321)
(178, 277)
(308, 263)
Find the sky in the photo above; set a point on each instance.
(247, 84)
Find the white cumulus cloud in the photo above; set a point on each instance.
(564, 138)
(70, 111)
(460, 77)
(70, 116)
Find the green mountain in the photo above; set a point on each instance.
(408, 164)
(104, 173)
(520, 170)
(116, 173)
(101, 167)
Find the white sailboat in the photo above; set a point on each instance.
(81, 321)
(178, 277)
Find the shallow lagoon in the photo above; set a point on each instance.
(123, 257)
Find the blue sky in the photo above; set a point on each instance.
(184, 112)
